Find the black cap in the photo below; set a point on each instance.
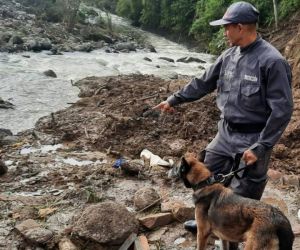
(239, 12)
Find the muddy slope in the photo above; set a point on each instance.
(116, 113)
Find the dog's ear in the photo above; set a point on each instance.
(183, 170)
(184, 167)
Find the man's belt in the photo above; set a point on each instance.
(245, 127)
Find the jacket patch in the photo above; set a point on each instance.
(251, 78)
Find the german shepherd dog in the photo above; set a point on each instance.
(231, 217)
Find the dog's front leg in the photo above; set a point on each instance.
(202, 237)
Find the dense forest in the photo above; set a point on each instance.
(183, 20)
(190, 18)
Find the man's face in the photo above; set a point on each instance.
(233, 33)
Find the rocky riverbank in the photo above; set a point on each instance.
(21, 31)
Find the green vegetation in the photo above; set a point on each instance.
(183, 19)
(190, 18)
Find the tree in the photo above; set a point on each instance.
(71, 8)
(131, 9)
(150, 14)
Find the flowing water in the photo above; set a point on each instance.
(34, 95)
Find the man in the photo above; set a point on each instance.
(253, 83)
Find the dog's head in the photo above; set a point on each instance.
(191, 170)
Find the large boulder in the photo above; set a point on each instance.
(130, 46)
(5, 132)
(15, 39)
(106, 223)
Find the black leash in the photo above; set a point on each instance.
(221, 178)
(218, 178)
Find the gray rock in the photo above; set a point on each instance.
(84, 47)
(6, 104)
(147, 59)
(106, 223)
(45, 44)
(130, 46)
(38, 235)
(5, 132)
(16, 40)
(166, 59)
(146, 197)
(60, 221)
(133, 167)
(9, 140)
(66, 244)
(44, 139)
(190, 59)
(33, 44)
(50, 73)
(4, 37)
(3, 168)
(151, 48)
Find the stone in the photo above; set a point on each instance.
(5, 132)
(24, 213)
(66, 244)
(291, 180)
(296, 230)
(130, 46)
(274, 175)
(141, 243)
(146, 197)
(281, 151)
(166, 59)
(151, 48)
(50, 73)
(190, 59)
(59, 221)
(156, 220)
(38, 235)
(147, 59)
(9, 140)
(157, 234)
(168, 206)
(133, 167)
(3, 168)
(178, 146)
(184, 213)
(25, 225)
(16, 40)
(106, 223)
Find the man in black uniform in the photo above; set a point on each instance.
(253, 83)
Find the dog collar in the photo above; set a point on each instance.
(219, 178)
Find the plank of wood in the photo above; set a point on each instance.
(128, 242)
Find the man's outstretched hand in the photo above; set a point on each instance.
(164, 107)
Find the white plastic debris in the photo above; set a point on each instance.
(179, 241)
(299, 214)
(155, 160)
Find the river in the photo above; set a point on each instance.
(34, 95)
